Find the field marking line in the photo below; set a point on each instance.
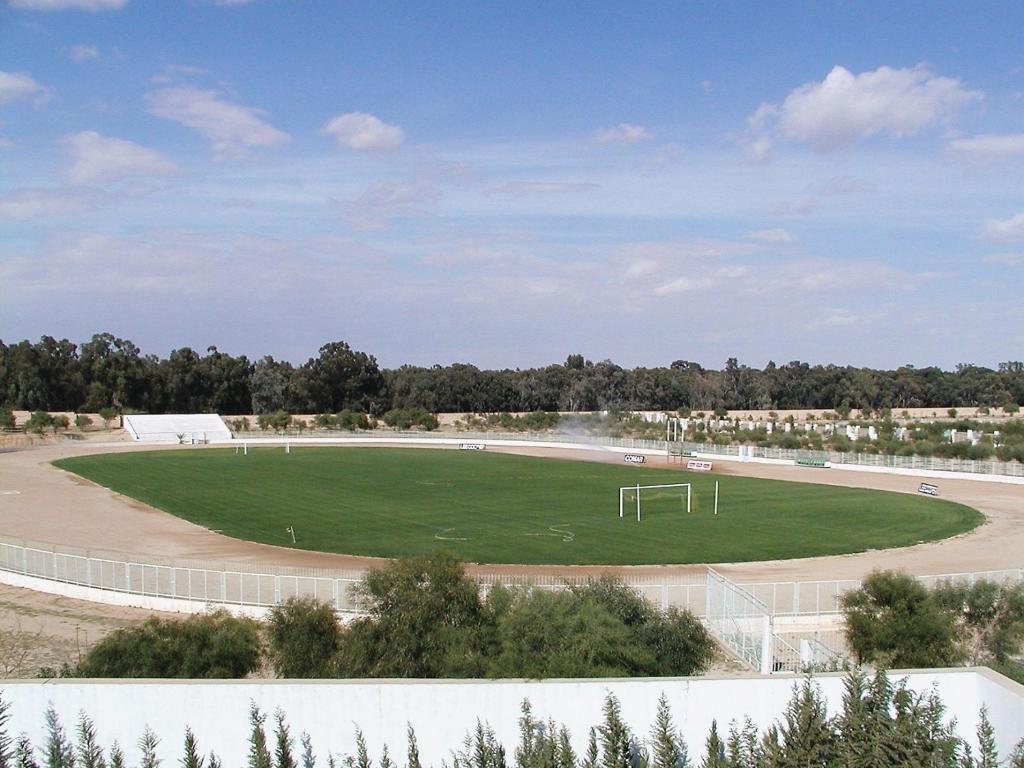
(567, 536)
(449, 538)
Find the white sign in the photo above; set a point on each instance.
(472, 446)
(699, 466)
(634, 458)
(931, 490)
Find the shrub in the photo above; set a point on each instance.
(82, 421)
(38, 422)
(352, 420)
(304, 637)
(892, 621)
(211, 645)
(59, 422)
(6, 418)
(108, 415)
(406, 418)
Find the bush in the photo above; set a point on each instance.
(6, 418)
(108, 415)
(352, 420)
(59, 422)
(892, 621)
(406, 418)
(304, 637)
(211, 645)
(82, 421)
(38, 422)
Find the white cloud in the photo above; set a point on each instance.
(679, 285)
(771, 235)
(990, 146)
(1004, 229)
(517, 189)
(706, 85)
(31, 203)
(382, 201)
(623, 133)
(1005, 259)
(758, 150)
(65, 5)
(845, 108)
(233, 129)
(363, 132)
(80, 53)
(839, 186)
(104, 158)
(18, 85)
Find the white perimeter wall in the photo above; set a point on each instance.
(443, 711)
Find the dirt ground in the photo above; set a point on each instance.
(43, 504)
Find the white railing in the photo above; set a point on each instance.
(739, 621)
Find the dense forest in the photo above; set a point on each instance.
(108, 372)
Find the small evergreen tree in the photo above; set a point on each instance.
(59, 751)
(283, 743)
(714, 749)
(590, 761)
(90, 755)
(988, 755)
(191, 758)
(6, 745)
(147, 746)
(308, 758)
(412, 755)
(116, 756)
(259, 754)
(24, 753)
(615, 737)
(667, 750)
(362, 755)
(807, 737)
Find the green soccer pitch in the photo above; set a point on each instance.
(500, 508)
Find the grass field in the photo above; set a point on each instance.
(497, 508)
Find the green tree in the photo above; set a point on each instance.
(892, 621)
(147, 747)
(60, 753)
(424, 619)
(191, 758)
(38, 422)
(90, 754)
(304, 637)
(283, 743)
(667, 747)
(989, 617)
(213, 645)
(259, 754)
(714, 749)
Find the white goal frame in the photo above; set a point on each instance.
(639, 488)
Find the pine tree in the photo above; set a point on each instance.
(283, 748)
(615, 737)
(590, 761)
(1016, 759)
(116, 756)
(6, 744)
(59, 752)
(191, 758)
(90, 755)
(259, 754)
(988, 754)
(666, 749)
(807, 737)
(23, 753)
(362, 754)
(385, 759)
(565, 757)
(412, 759)
(525, 754)
(741, 746)
(714, 750)
(147, 746)
(214, 761)
(308, 758)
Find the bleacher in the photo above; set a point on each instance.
(190, 428)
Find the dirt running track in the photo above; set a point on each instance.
(53, 506)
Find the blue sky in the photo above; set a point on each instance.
(508, 183)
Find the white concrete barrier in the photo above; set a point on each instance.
(443, 711)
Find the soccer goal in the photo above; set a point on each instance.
(673, 497)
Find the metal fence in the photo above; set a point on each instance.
(739, 621)
(891, 461)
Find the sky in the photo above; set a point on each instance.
(505, 184)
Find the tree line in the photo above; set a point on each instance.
(879, 723)
(110, 372)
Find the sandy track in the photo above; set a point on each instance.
(57, 507)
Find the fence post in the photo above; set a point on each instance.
(766, 647)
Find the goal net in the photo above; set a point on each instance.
(652, 499)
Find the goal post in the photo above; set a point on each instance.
(635, 496)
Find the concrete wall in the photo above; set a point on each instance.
(443, 711)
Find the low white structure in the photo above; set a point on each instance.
(177, 428)
(441, 712)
